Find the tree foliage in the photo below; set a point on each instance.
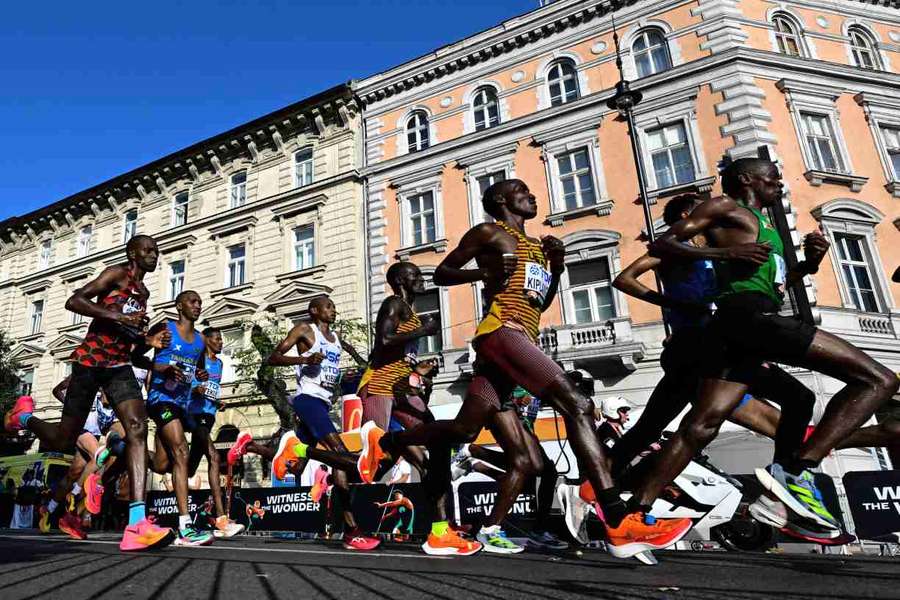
(9, 377)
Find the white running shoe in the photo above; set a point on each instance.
(575, 511)
(769, 511)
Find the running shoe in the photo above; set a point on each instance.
(12, 420)
(70, 524)
(146, 535)
(239, 448)
(799, 494)
(371, 455)
(284, 455)
(320, 485)
(191, 536)
(493, 539)
(546, 540)
(575, 511)
(355, 540)
(44, 520)
(769, 511)
(449, 544)
(93, 493)
(460, 466)
(226, 528)
(827, 538)
(639, 532)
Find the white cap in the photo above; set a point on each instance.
(610, 406)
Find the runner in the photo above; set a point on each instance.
(201, 417)
(115, 339)
(318, 371)
(752, 280)
(403, 509)
(174, 368)
(519, 288)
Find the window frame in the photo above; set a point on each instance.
(492, 99)
(45, 253)
(870, 44)
(232, 262)
(182, 207)
(295, 243)
(796, 33)
(588, 245)
(83, 243)
(23, 374)
(414, 184)
(814, 151)
(129, 224)
(443, 307)
(421, 131)
(549, 82)
(298, 179)
(176, 277)
(237, 200)
(411, 217)
(36, 317)
(643, 33)
(854, 291)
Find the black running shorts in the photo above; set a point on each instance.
(164, 413)
(118, 383)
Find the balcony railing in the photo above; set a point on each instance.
(876, 324)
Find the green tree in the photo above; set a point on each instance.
(9, 377)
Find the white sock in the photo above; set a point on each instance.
(184, 521)
(491, 529)
(464, 451)
(51, 506)
(76, 489)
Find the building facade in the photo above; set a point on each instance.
(259, 220)
(815, 82)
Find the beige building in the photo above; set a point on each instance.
(258, 220)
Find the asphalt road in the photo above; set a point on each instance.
(35, 566)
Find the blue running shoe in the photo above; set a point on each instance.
(799, 494)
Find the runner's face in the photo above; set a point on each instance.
(146, 255)
(412, 279)
(214, 342)
(768, 186)
(328, 312)
(520, 201)
(190, 306)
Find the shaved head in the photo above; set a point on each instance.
(731, 176)
(496, 191)
(318, 303)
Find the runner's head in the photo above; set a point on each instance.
(509, 197)
(188, 305)
(322, 310)
(142, 252)
(753, 177)
(405, 276)
(679, 208)
(398, 495)
(213, 338)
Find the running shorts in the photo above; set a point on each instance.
(194, 421)
(118, 383)
(409, 411)
(164, 413)
(315, 422)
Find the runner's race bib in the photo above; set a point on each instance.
(537, 283)
(212, 389)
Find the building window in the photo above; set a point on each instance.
(562, 80)
(84, 241)
(429, 303)
(863, 48)
(651, 53)
(303, 167)
(26, 382)
(820, 143)
(46, 254)
(176, 278)
(77, 318)
(417, 131)
(892, 145)
(37, 315)
(787, 37)
(180, 209)
(237, 265)
(486, 108)
(590, 291)
(576, 179)
(304, 247)
(130, 228)
(422, 218)
(856, 271)
(232, 343)
(238, 189)
(487, 180)
(670, 153)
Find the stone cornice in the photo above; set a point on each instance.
(232, 226)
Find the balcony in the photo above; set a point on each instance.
(870, 331)
(594, 346)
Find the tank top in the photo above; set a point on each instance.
(767, 278)
(207, 403)
(693, 281)
(320, 380)
(381, 380)
(180, 353)
(520, 303)
(100, 419)
(106, 344)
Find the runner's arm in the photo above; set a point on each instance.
(353, 353)
(80, 301)
(815, 247)
(389, 319)
(59, 392)
(297, 336)
(627, 282)
(451, 272)
(555, 252)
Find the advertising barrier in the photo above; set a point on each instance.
(874, 498)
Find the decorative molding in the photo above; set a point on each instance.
(302, 204)
(854, 182)
(226, 310)
(703, 185)
(36, 286)
(488, 154)
(233, 226)
(176, 243)
(301, 274)
(293, 299)
(601, 209)
(236, 289)
(437, 246)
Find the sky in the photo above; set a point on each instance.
(94, 89)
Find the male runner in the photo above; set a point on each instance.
(174, 368)
(752, 279)
(403, 509)
(202, 407)
(317, 368)
(519, 288)
(115, 339)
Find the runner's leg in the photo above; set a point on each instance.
(176, 446)
(796, 401)
(522, 458)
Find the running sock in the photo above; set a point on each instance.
(76, 489)
(23, 419)
(300, 450)
(439, 528)
(795, 466)
(51, 506)
(136, 512)
(614, 508)
(184, 521)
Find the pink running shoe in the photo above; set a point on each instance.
(70, 523)
(320, 485)
(239, 448)
(355, 540)
(146, 535)
(12, 421)
(93, 493)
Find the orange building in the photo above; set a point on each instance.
(815, 81)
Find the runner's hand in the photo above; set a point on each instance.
(315, 358)
(137, 320)
(425, 367)
(555, 252)
(201, 374)
(754, 253)
(159, 340)
(176, 374)
(815, 247)
(430, 325)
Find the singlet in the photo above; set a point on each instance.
(519, 304)
(320, 380)
(206, 404)
(381, 380)
(100, 419)
(180, 353)
(105, 345)
(767, 278)
(693, 281)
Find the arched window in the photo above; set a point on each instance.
(787, 35)
(486, 108)
(863, 47)
(651, 52)
(563, 82)
(417, 131)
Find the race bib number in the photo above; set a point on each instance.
(537, 282)
(131, 306)
(330, 376)
(212, 389)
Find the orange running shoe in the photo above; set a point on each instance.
(146, 535)
(371, 454)
(285, 454)
(449, 544)
(639, 532)
(70, 523)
